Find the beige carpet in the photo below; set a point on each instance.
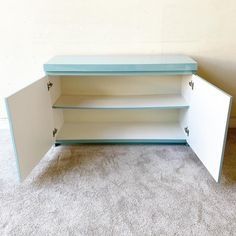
(118, 190)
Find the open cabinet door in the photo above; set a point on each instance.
(207, 123)
(31, 123)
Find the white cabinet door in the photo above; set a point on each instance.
(31, 122)
(207, 121)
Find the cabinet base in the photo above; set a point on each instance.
(72, 142)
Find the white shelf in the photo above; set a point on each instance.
(120, 102)
(121, 131)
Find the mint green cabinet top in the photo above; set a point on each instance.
(120, 64)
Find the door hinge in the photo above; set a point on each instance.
(191, 84)
(49, 85)
(186, 130)
(54, 132)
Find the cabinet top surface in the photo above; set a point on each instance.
(120, 63)
(121, 59)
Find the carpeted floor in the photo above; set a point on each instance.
(118, 190)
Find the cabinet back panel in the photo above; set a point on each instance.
(120, 85)
(137, 115)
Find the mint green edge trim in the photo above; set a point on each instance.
(124, 141)
(225, 138)
(13, 140)
(138, 73)
(118, 108)
(120, 67)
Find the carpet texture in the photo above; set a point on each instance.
(117, 190)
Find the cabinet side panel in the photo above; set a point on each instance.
(186, 94)
(55, 93)
(55, 90)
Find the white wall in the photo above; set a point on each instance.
(33, 31)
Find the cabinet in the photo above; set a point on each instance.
(119, 99)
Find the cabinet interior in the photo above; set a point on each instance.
(119, 108)
(118, 104)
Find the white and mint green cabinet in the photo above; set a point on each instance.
(119, 99)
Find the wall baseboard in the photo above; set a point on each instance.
(232, 122)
